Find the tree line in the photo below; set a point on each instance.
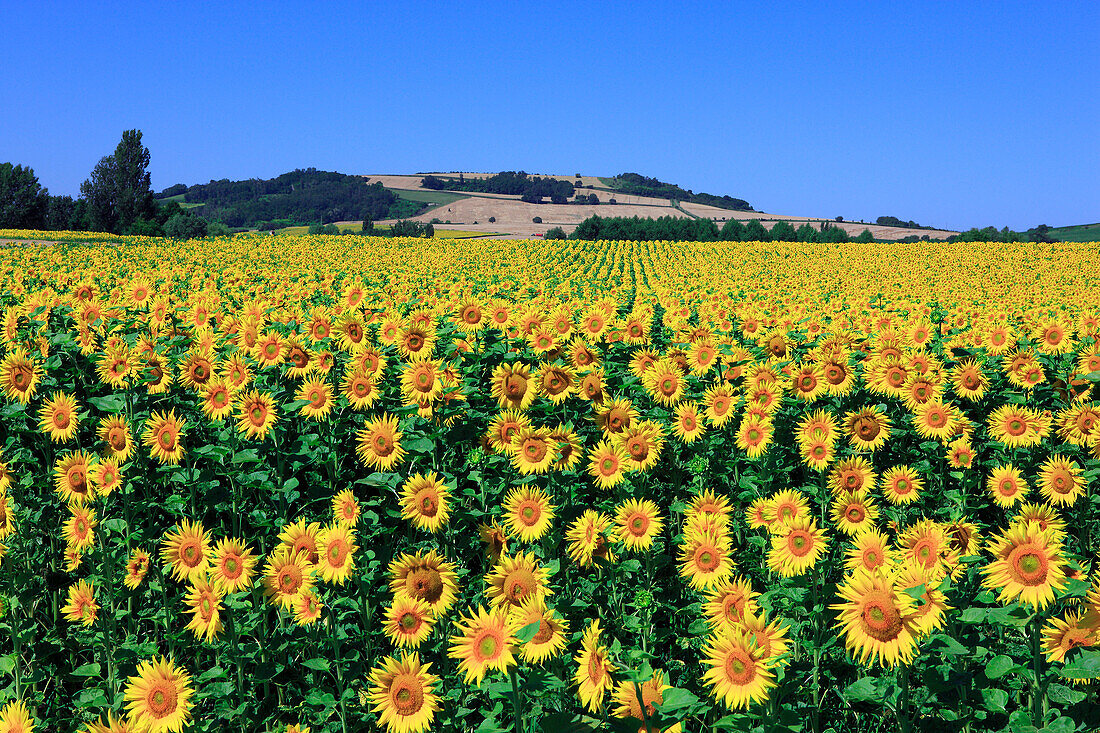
(639, 185)
(669, 228)
(532, 189)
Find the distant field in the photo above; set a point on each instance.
(178, 198)
(357, 226)
(1078, 233)
(427, 196)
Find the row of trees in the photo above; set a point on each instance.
(116, 197)
(532, 189)
(668, 228)
(639, 185)
(302, 196)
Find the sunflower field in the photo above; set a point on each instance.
(344, 484)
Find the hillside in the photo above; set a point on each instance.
(505, 204)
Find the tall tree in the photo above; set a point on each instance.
(134, 196)
(118, 191)
(23, 202)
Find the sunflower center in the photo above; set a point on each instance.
(639, 523)
(61, 419)
(799, 542)
(428, 504)
(290, 579)
(231, 568)
(515, 386)
(409, 622)
(161, 700)
(740, 669)
(382, 445)
(706, 559)
(166, 439)
(855, 514)
(1016, 427)
(488, 647)
(867, 429)
(519, 584)
(1030, 565)
(337, 552)
(534, 449)
(426, 584)
(881, 619)
(407, 694)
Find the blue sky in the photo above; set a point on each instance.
(952, 114)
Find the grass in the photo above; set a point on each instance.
(439, 233)
(428, 196)
(1076, 233)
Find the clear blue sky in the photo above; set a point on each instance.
(952, 114)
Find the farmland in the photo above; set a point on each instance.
(360, 483)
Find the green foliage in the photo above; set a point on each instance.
(185, 225)
(554, 233)
(24, 204)
(531, 189)
(639, 185)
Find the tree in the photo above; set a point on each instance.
(755, 232)
(185, 225)
(536, 219)
(805, 233)
(118, 191)
(554, 233)
(732, 231)
(782, 231)
(24, 204)
(865, 237)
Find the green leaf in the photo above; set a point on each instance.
(1085, 666)
(110, 404)
(249, 455)
(917, 592)
(862, 690)
(419, 445)
(87, 670)
(528, 632)
(994, 700)
(998, 666)
(674, 700)
(7, 664)
(1065, 695)
(318, 663)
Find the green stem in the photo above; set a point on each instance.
(339, 675)
(641, 704)
(517, 699)
(1038, 699)
(903, 714)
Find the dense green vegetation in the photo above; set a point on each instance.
(299, 197)
(668, 228)
(639, 185)
(532, 189)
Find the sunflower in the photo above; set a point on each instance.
(19, 376)
(930, 604)
(592, 386)
(378, 443)
(606, 464)
(718, 403)
(770, 638)
(868, 428)
(1061, 481)
(754, 436)
(808, 382)
(616, 416)
(416, 341)
(408, 621)
(1044, 515)
(550, 638)
(1080, 423)
(664, 381)
(345, 509)
(403, 694)
(705, 560)
(301, 359)
(163, 436)
(969, 381)
(852, 474)
(1017, 427)
(187, 551)
(81, 606)
(728, 603)
(594, 669)
(136, 568)
(307, 608)
(629, 699)
(256, 414)
(421, 382)
(641, 443)
(203, 602)
(926, 543)
(871, 550)
(854, 512)
(533, 450)
(302, 538)
(115, 432)
(787, 505)
(816, 454)
(58, 417)
(709, 502)
(286, 577)
(819, 425)
(516, 579)
(511, 385)
(427, 577)
(503, 427)
(71, 477)
(587, 541)
(639, 523)
(796, 546)
(232, 565)
(336, 550)
(934, 419)
(1029, 565)
(688, 427)
(1006, 485)
(1062, 635)
(79, 527)
(196, 369)
(318, 394)
(106, 477)
(158, 697)
(483, 642)
(737, 670)
(495, 539)
(360, 388)
(901, 485)
(569, 447)
(877, 619)
(425, 500)
(760, 513)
